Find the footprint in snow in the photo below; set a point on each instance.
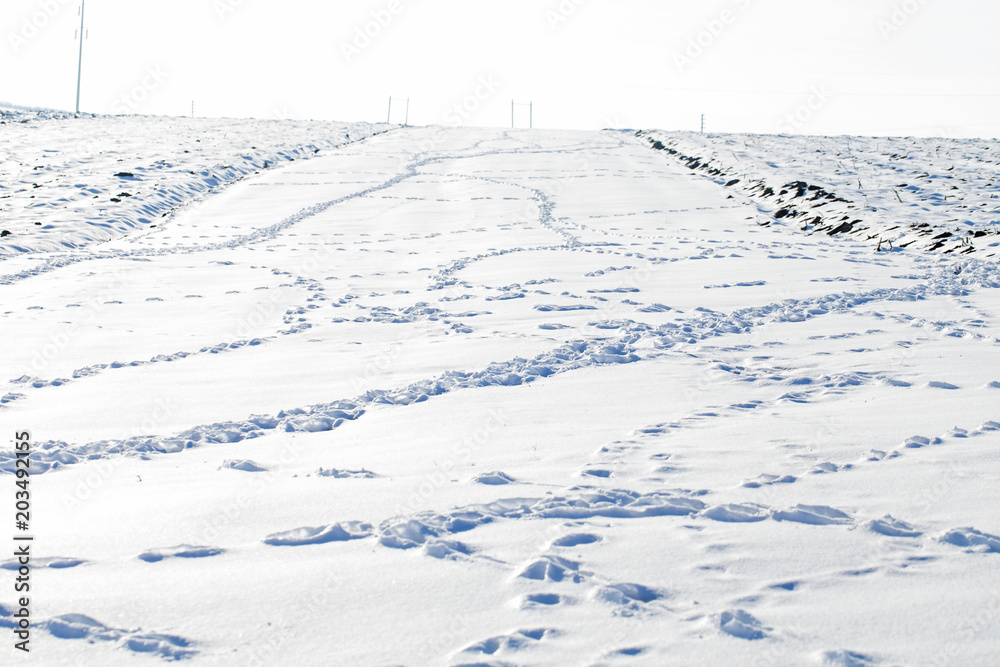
(79, 626)
(629, 598)
(338, 532)
(972, 540)
(552, 568)
(630, 652)
(875, 455)
(446, 549)
(56, 563)
(816, 515)
(827, 467)
(515, 641)
(935, 384)
(243, 465)
(576, 540)
(742, 625)
(494, 478)
(918, 441)
(346, 474)
(846, 659)
(767, 480)
(891, 527)
(597, 472)
(786, 585)
(181, 551)
(738, 513)
(542, 600)
(617, 449)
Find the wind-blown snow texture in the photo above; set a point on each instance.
(484, 397)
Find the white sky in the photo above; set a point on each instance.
(911, 67)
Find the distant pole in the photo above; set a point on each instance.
(406, 119)
(389, 115)
(192, 108)
(703, 123)
(531, 117)
(512, 114)
(79, 62)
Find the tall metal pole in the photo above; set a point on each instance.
(406, 118)
(512, 113)
(703, 123)
(389, 115)
(79, 62)
(531, 117)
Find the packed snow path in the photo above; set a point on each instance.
(490, 397)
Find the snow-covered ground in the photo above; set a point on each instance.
(894, 193)
(487, 397)
(70, 183)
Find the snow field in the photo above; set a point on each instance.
(507, 397)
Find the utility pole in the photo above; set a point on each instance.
(389, 115)
(512, 114)
(79, 62)
(531, 117)
(406, 118)
(703, 123)
(192, 108)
